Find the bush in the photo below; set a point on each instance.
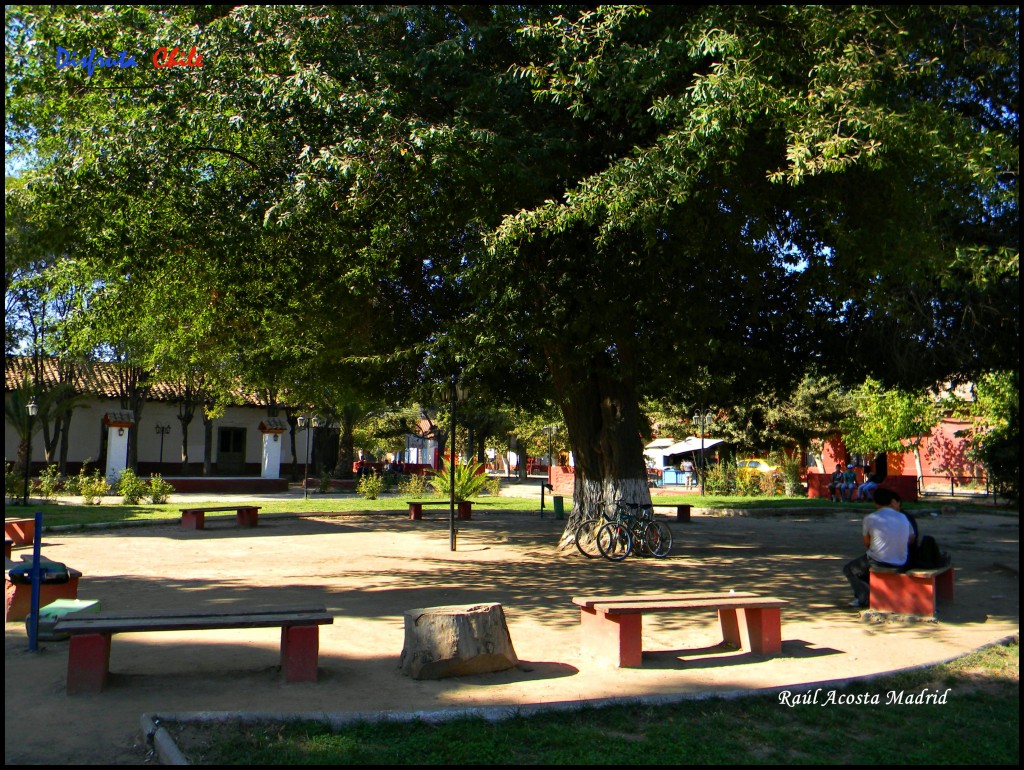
(11, 482)
(415, 485)
(370, 486)
(131, 487)
(720, 479)
(92, 487)
(324, 485)
(49, 482)
(469, 481)
(159, 490)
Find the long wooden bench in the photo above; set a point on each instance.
(464, 509)
(611, 626)
(914, 592)
(89, 649)
(195, 518)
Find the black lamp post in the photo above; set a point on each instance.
(302, 421)
(702, 418)
(162, 430)
(33, 410)
(458, 394)
(307, 424)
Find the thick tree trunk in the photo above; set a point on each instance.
(346, 449)
(602, 413)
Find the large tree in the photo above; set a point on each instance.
(597, 204)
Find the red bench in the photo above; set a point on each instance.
(195, 518)
(89, 649)
(20, 531)
(464, 509)
(914, 592)
(611, 626)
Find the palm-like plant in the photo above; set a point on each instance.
(469, 481)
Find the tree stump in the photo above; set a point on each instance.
(456, 641)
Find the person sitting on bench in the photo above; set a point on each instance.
(835, 485)
(887, 534)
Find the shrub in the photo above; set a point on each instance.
(49, 482)
(131, 487)
(10, 482)
(720, 479)
(370, 486)
(324, 485)
(469, 481)
(92, 487)
(415, 485)
(159, 490)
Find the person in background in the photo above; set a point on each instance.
(835, 485)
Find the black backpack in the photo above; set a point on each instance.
(929, 555)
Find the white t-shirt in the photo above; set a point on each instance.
(890, 532)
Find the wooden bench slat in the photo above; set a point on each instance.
(623, 608)
(591, 601)
(220, 508)
(189, 623)
(207, 612)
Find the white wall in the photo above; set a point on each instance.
(87, 428)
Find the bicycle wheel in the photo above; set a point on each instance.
(614, 541)
(657, 539)
(586, 537)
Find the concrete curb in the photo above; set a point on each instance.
(168, 753)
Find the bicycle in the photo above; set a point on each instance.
(615, 536)
(588, 529)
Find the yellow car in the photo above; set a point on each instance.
(754, 465)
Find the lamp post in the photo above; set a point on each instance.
(458, 394)
(162, 430)
(33, 410)
(702, 418)
(302, 422)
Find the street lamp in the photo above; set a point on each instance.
(307, 424)
(162, 430)
(33, 410)
(702, 418)
(458, 393)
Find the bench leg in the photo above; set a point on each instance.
(88, 663)
(191, 520)
(300, 651)
(756, 630)
(613, 640)
(247, 517)
(415, 511)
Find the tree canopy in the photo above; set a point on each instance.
(592, 204)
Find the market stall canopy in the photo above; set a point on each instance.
(691, 444)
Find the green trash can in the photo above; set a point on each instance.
(559, 507)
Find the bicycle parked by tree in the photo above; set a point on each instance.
(630, 527)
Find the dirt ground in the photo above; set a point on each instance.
(367, 569)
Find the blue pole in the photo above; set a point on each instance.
(33, 617)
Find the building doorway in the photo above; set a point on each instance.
(230, 451)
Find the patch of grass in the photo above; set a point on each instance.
(977, 724)
(112, 511)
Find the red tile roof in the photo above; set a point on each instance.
(100, 379)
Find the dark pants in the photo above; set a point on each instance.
(858, 573)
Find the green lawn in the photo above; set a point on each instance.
(977, 724)
(111, 511)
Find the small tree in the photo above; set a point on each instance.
(889, 421)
